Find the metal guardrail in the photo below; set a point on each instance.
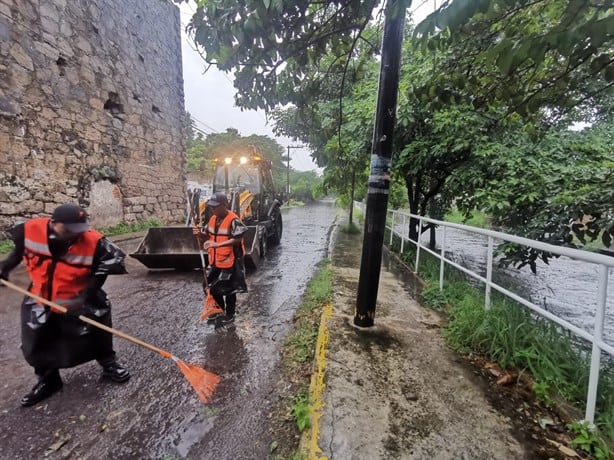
(604, 262)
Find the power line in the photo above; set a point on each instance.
(204, 124)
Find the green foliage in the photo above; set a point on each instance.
(474, 219)
(300, 410)
(559, 190)
(6, 246)
(542, 393)
(350, 228)
(533, 50)
(435, 298)
(299, 348)
(589, 441)
(304, 185)
(195, 156)
(131, 227)
(270, 44)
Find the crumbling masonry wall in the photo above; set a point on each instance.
(91, 109)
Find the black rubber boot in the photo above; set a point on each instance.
(48, 384)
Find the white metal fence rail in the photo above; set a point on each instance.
(605, 263)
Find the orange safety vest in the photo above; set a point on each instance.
(223, 257)
(59, 279)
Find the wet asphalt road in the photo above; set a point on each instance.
(157, 414)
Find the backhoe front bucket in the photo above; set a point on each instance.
(170, 248)
(251, 241)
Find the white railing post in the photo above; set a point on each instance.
(403, 233)
(593, 381)
(443, 257)
(418, 244)
(391, 228)
(487, 301)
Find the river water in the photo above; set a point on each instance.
(566, 287)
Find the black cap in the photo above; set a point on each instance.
(72, 216)
(217, 199)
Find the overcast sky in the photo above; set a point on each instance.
(209, 97)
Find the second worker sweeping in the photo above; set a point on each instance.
(223, 237)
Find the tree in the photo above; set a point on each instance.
(499, 68)
(194, 143)
(305, 186)
(559, 190)
(268, 43)
(543, 51)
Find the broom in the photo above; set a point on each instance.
(211, 307)
(202, 381)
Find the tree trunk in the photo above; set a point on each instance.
(432, 235)
(413, 208)
(432, 238)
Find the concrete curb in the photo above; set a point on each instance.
(311, 437)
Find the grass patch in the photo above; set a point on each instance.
(291, 203)
(477, 219)
(518, 339)
(6, 246)
(299, 348)
(300, 409)
(350, 228)
(132, 227)
(358, 215)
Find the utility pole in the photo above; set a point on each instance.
(288, 168)
(381, 163)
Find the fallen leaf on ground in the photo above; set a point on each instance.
(495, 372)
(567, 451)
(505, 379)
(56, 445)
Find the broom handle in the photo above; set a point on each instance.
(85, 319)
(196, 222)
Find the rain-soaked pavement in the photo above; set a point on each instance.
(157, 414)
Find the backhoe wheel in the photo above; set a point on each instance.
(278, 228)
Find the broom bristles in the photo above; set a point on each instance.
(211, 307)
(203, 381)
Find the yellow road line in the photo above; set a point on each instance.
(316, 387)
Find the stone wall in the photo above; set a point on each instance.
(91, 109)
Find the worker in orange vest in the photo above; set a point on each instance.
(224, 244)
(67, 262)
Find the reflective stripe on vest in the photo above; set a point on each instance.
(223, 257)
(60, 279)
